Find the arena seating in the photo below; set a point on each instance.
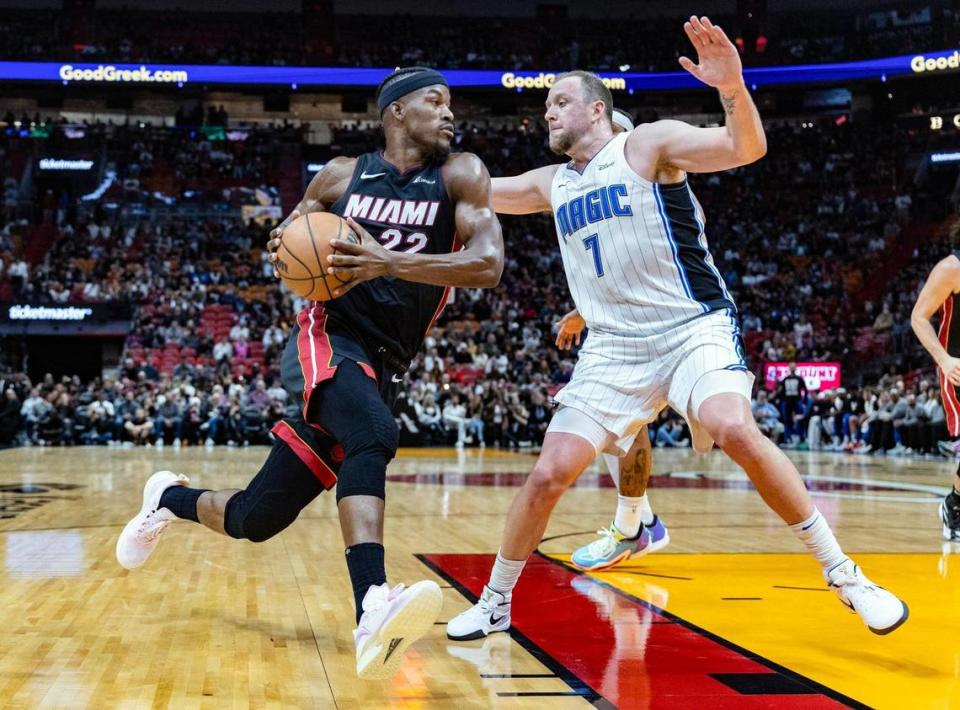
(796, 243)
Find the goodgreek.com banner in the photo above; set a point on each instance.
(924, 64)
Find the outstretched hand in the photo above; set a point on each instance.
(718, 60)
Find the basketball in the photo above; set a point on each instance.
(302, 256)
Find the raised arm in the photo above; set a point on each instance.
(943, 281)
(665, 145)
(524, 194)
(478, 265)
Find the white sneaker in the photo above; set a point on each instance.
(176, 443)
(392, 620)
(490, 614)
(880, 610)
(142, 533)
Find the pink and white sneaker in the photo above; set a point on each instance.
(392, 620)
(142, 533)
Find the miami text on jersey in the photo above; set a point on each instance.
(419, 213)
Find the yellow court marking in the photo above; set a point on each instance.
(809, 631)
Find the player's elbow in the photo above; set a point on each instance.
(490, 271)
(917, 319)
(752, 153)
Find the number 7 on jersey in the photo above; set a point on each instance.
(592, 244)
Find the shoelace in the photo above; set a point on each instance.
(486, 605)
(605, 544)
(864, 592)
(380, 599)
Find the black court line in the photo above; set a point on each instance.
(306, 613)
(761, 684)
(555, 694)
(639, 573)
(793, 675)
(741, 599)
(577, 686)
(517, 675)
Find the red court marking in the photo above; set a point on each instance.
(626, 651)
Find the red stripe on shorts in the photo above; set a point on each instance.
(314, 350)
(948, 392)
(317, 466)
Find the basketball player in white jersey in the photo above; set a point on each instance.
(662, 323)
(635, 530)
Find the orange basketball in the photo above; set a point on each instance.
(302, 256)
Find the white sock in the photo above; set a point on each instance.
(613, 466)
(646, 512)
(505, 573)
(628, 517)
(815, 533)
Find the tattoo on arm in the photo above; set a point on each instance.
(729, 103)
(635, 472)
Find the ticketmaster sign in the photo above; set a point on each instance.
(98, 319)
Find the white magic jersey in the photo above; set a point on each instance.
(634, 252)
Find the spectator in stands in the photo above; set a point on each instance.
(169, 420)
(407, 421)
(767, 417)
(884, 320)
(223, 350)
(670, 433)
(10, 417)
(428, 417)
(34, 410)
(791, 390)
(475, 423)
(803, 332)
(139, 428)
(881, 423)
(455, 419)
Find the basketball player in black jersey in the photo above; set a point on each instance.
(941, 292)
(426, 223)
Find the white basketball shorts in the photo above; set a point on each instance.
(622, 382)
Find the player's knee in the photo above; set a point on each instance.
(366, 455)
(379, 437)
(736, 434)
(549, 480)
(256, 521)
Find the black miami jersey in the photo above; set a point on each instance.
(406, 211)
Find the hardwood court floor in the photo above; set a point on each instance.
(731, 614)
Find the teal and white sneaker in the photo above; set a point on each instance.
(613, 547)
